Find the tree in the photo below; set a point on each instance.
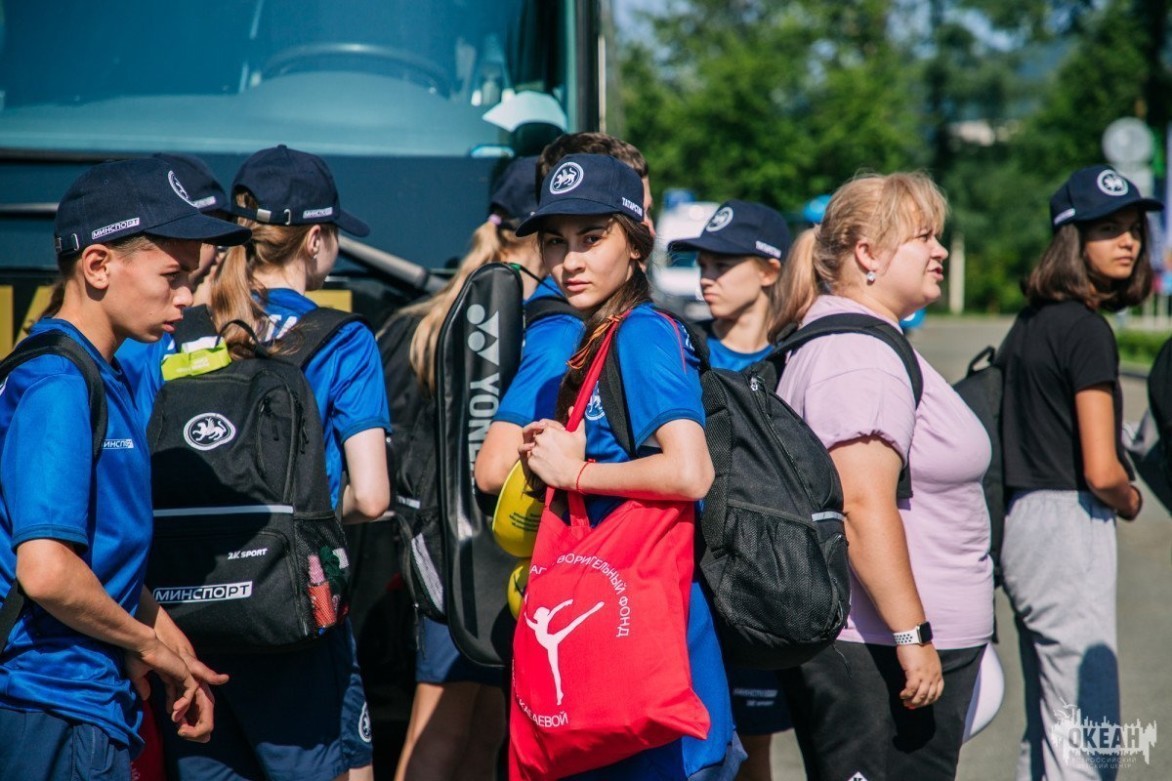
(778, 101)
(772, 101)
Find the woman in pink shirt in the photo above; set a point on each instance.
(888, 700)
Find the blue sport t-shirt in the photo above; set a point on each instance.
(662, 383)
(721, 357)
(50, 488)
(549, 344)
(346, 376)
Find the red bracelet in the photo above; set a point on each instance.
(578, 479)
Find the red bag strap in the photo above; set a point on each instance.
(592, 375)
(578, 516)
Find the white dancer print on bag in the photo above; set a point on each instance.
(550, 642)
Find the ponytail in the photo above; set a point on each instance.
(490, 242)
(56, 297)
(798, 284)
(234, 281)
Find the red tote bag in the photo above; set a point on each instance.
(600, 656)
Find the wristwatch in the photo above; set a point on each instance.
(921, 635)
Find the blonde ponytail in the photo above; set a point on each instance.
(798, 284)
(234, 283)
(489, 243)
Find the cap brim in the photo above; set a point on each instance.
(351, 224)
(201, 227)
(564, 206)
(1144, 204)
(712, 242)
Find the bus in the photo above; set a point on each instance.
(414, 105)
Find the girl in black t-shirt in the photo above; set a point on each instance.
(1064, 467)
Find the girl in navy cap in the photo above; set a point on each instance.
(593, 239)
(741, 249)
(552, 339)
(300, 715)
(458, 714)
(75, 530)
(1064, 463)
(740, 254)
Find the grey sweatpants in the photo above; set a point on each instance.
(1059, 564)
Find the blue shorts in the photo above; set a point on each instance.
(297, 716)
(38, 746)
(758, 703)
(438, 661)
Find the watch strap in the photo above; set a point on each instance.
(919, 635)
(910, 637)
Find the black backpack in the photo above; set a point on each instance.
(775, 561)
(983, 388)
(414, 482)
(53, 343)
(248, 553)
(1160, 403)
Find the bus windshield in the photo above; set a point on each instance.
(447, 78)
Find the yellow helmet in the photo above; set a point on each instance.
(517, 515)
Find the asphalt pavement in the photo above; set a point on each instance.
(1145, 621)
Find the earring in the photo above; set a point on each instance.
(870, 277)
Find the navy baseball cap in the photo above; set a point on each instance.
(587, 184)
(741, 228)
(292, 188)
(514, 195)
(203, 189)
(123, 198)
(1094, 192)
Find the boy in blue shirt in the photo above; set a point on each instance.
(75, 532)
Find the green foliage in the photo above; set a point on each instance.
(777, 110)
(780, 100)
(1140, 347)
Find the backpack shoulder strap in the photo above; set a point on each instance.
(852, 323)
(196, 324)
(316, 328)
(57, 343)
(614, 396)
(54, 343)
(548, 306)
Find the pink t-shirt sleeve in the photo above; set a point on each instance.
(850, 386)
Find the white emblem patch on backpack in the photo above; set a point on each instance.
(208, 430)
